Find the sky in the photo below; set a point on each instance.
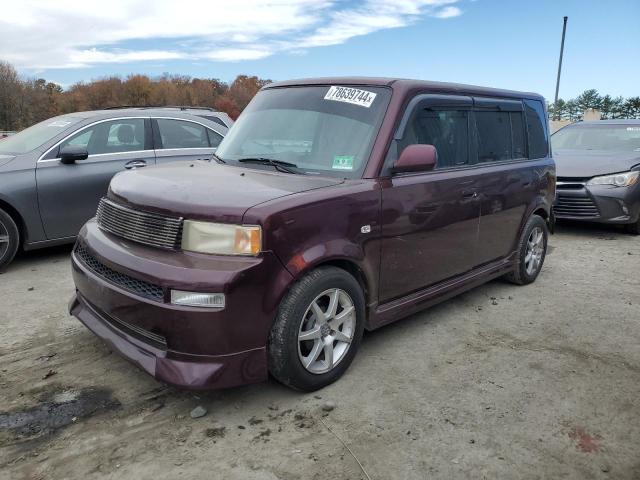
(497, 43)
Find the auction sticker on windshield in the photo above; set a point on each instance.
(354, 96)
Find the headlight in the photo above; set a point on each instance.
(625, 179)
(221, 238)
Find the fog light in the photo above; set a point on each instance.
(197, 299)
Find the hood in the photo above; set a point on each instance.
(6, 159)
(589, 163)
(207, 190)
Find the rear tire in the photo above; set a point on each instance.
(9, 239)
(532, 250)
(318, 329)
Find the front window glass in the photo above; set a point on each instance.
(33, 137)
(324, 130)
(447, 130)
(620, 138)
(116, 136)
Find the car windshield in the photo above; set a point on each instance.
(620, 138)
(322, 130)
(32, 137)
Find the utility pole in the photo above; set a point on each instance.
(564, 31)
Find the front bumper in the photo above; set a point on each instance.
(597, 203)
(190, 347)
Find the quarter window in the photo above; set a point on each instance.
(182, 134)
(214, 138)
(536, 126)
(125, 135)
(447, 130)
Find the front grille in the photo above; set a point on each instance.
(138, 226)
(130, 284)
(575, 206)
(573, 183)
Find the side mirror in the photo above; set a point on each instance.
(70, 154)
(416, 158)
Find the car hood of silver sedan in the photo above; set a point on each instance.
(590, 163)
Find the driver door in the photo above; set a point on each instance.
(68, 195)
(430, 220)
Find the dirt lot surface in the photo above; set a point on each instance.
(541, 381)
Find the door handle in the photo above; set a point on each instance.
(135, 164)
(469, 194)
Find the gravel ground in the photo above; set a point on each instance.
(510, 382)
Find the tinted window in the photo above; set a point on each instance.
(517, 135)
(494, 136)
(182, 134)
(126, 135)
(536, 125)
(447, 130)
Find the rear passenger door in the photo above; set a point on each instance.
(180, 139)
(505, 181)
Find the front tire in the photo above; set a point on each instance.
(633, 228)
(532, 250)
(9, 239)
(317, 330)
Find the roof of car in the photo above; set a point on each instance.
(407, 84)
(147, 111)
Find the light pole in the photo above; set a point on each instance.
(564, 31)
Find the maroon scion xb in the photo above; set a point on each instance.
(332, 206)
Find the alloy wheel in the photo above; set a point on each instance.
(535, 251)
(326, 331)
(4, 240)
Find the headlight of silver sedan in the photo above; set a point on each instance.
(625, 179)
(221, 238)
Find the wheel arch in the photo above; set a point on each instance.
(17, 218)
(351, 267)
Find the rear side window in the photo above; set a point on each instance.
(494, 136)
(537, 128)
(500, 136)
(517, 135)
(182, 134)
(447, 130)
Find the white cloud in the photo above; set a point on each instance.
(448, 12)
(40, 34)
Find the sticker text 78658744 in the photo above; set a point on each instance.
(354, 96)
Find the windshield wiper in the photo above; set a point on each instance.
(218, 159)
(279, 165)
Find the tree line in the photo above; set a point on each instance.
(608, 106)
(24, 102)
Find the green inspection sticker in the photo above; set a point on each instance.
(342, 162)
